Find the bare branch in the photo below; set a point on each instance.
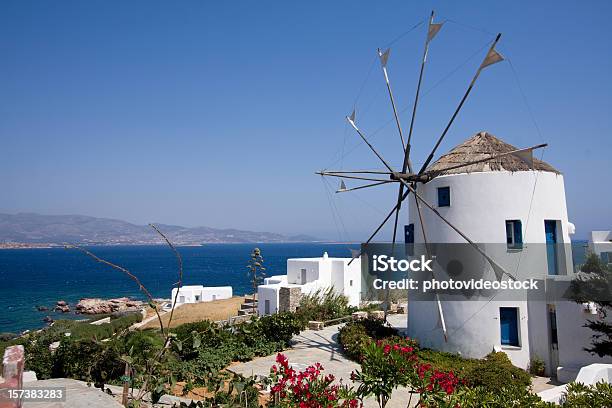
(179, 260)
(142, 288)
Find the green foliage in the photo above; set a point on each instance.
(445, 361)
(87, 360)
(537, 366)
(280, 327)
(256, 271)
(355, 335)
(205, 348)
(385, 368)
(324, 305)
(241, 392)
(595, 284)
(496, 369)
(578, 395)
(480, 397)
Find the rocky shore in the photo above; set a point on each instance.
(108, 306)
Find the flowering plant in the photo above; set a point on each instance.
(389, 364)
(308, 388)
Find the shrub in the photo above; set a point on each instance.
(447, 361)
(355, 335)
(280, 327)
(385, 367)
(309, 388)
(537, 366)
(323, 305)
(87, 360)
(580, 395)
(502, 397)
(496, 369)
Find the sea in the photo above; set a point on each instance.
(40, 277)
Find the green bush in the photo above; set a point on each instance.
(323, 305)
(355, 335)
(578, 395)
(503, 396)
(280, 327)
(494, 370)
(537, 366)
(444, 361)
(87, 360)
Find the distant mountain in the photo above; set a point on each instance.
(55, 229)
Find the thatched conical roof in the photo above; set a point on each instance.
(483, 145)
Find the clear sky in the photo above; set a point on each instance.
(218, 113)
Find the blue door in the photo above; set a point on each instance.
(550, 229)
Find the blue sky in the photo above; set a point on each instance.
(218, 113)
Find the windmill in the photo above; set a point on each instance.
(407, 178)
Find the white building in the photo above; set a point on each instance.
(199, 293)
(310, 275)
(517, 206)
(600, 244)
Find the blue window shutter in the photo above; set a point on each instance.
(508, 322)
(509, 232)
(518, 233)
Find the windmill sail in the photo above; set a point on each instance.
(433, 30)
(493, 57)
(526, 156)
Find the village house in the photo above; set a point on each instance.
(306, 276)
(199, 293)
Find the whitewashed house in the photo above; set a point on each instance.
(309, 275)
(600, 244)
(199, 293)
(512, 205)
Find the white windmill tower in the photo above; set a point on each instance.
(427, 220)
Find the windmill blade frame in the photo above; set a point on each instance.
(463, 99)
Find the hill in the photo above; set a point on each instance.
(56, 229)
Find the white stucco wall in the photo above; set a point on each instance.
(321, 274)
(573, 337)
(205, 293)
(480, 204)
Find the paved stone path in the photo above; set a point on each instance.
(78, 395)
(322, 346)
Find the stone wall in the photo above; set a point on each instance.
(12, 373)
(289, 299)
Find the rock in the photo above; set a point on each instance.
(42, 308)
(62, 308)
(48, 319)
(61, 303)
(108, 306)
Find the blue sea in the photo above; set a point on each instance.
(32, 277)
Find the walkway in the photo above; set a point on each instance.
(322, 346)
